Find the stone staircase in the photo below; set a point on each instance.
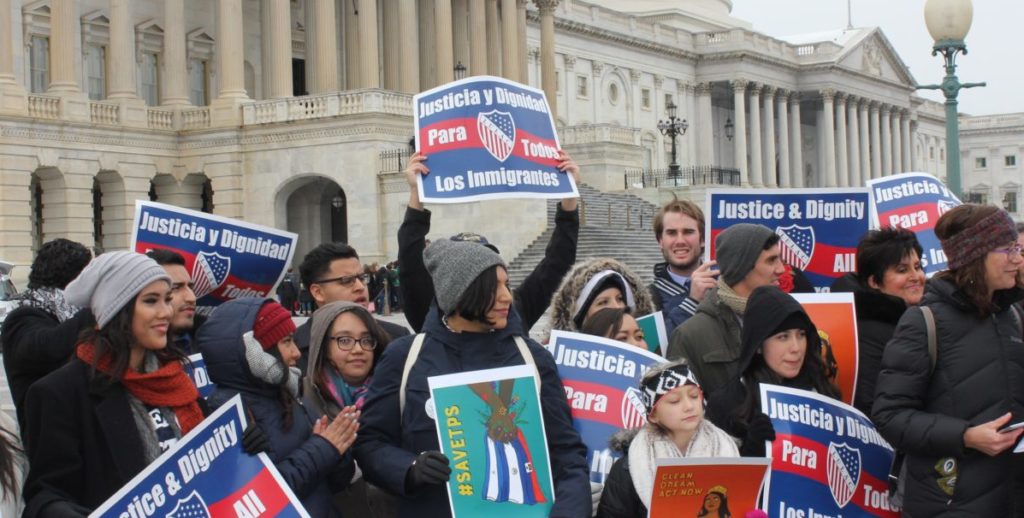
(612, 225)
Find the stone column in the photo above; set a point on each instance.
(854, 142)
(175, 79)
(705, 126)
(842, 159)
(897, 142)
(796, 140)
(911, 143)
(524, 76)
(781, 98)
(477, 38)
(409, 72)
(392, 48)
(829, 125)
(547, 51)
(13, 97)
(769, 164)
(443, 41)
(756, 173)
(16, 205)
(369, 56)
(493, 30)
(63, 24)
(876, 141)
(739, 91)
(686, 91)
(121, 52)
(279, 61)
(224, 110)
(886, 124)
(67, 211)
(865, 142)
(510, 40)
(325, 57)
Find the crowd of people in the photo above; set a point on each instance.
(95, 357)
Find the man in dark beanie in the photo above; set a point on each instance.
(40, 335)
(748, 257)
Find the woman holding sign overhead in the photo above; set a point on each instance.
(124, 398)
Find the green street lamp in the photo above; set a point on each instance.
(948, 22)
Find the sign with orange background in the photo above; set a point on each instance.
(687, 487)
(836, 319)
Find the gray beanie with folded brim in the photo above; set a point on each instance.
(112, 280)
(453, 266)
(737, 249)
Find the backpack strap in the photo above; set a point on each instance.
(410, 360)
(528, 358)
(933, 350)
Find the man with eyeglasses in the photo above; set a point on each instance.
(332, 272)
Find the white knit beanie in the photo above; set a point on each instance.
(110, 281)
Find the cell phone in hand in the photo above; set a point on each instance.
(1011, 427)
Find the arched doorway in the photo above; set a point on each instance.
(315, 208)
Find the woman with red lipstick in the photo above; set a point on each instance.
(124, 398)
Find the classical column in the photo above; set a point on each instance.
(686, 91)
(770, 170)
(829, 125)
(369, 60)
(853, 138)
(796, 141)
(13, 98)
(392, 48)
(493, 29)
(547, 51)
(175, 80)
(781, 98)
(478, 38)
(460, 33)
(886, 124)
(876, 141)
(739, 91)
(524, 76)
(280, 49)
(865, 142)
(63, 22)
(325, 55)
(909, 143)
(121, 52)
(706, 127)
(510, 40)
(410, 53)
(842, 160)
(230, 53)
(756, 174)
(897, 142)
(443, 40)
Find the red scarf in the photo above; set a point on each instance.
(167, 386)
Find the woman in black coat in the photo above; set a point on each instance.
(947, 417)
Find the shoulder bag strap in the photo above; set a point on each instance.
(410, 360)
(933, 350)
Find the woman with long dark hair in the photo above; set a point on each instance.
(617, 324)
(946, 408)
(124, 398)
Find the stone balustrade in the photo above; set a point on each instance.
(104, 113)
(43, 106)
(160, 118)
(327, 105)
(595, 133)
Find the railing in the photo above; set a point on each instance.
(195, 118)
(394, 160)
(599, 133)
(104, 113)
(694, 175)
(327, 105)
(615, 215)
(160, 118)
(43, 106)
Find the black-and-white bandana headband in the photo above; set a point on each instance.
(669, 379)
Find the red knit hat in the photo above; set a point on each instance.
(273, 323)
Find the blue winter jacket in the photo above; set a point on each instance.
(388, 443)
(309, 464)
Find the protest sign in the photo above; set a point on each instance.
(706, 486)
(490, 426)
(206, 474)
(601, 379)
(485, 138)
(653, 326)
(196, 369)
(913, 201)
(227, 258)
(835, 316)
(827, 458)
(818, 228)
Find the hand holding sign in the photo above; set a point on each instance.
(414, 170)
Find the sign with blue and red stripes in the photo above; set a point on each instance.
(207, 475)
(227, 258)
(914, 201)
(827, 458)
(601, 379)
(487, 137)
(818, 228)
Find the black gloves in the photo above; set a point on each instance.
(759, 430)
(254, 440)
(429, 468)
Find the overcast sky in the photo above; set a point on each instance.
(994, 42)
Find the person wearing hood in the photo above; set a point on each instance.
(124, 398)
(781, 346)
(472, 326)
(675, 428)
(249, 350)
(946, 409)
(594, 285)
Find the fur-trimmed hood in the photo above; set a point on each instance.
(564, 301)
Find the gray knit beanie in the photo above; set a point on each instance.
(737, 249)
(453, 266)
(110, 281)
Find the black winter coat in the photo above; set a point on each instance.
(979, 377)
(310, 465)
(877, 316)
(389, 442)
(619, 498)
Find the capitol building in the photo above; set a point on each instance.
(297, 114)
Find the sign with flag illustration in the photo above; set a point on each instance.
(227, 258)
(486, 137)
(913, 201)
(827, 458)
(818, 229)
(835, 316)
(694, 486)
(601, 379)
(490, 426)
(655, 334)
(207, 475)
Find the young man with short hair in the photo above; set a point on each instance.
(681, 282)
(185, 322)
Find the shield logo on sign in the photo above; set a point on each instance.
(497, 132)
(797, 245)
(209, 272)
(945, 206)
(843, 468)
(632, 409)
(191, 507)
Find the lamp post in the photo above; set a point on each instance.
(672, 128)
(730, 129)
(948, 22)
(460, 71)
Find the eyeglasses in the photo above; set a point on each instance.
(346, 343)
(346, 280)
(1011, 251)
